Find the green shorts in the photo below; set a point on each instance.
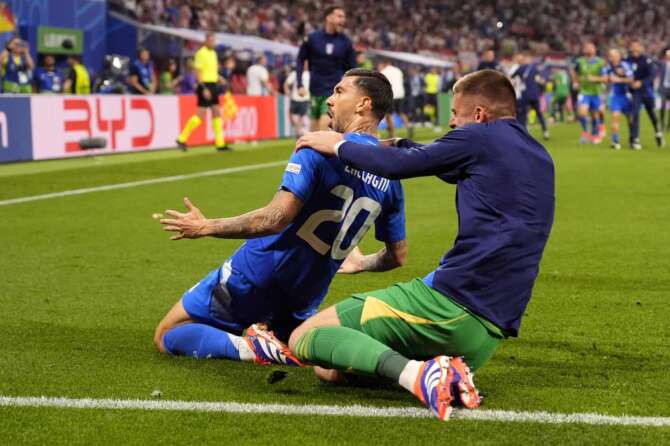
(419, 322)
(318, 107)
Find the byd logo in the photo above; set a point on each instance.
(101, 122)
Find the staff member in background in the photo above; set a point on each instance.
(397, 80)
(258, 78)
(206, 65)
(188, 81)
(432, 81)
(531, 91)
(142, 77)
(17, 66)
(330, 53)
(299, 103)
(49, 78)
(78, 80)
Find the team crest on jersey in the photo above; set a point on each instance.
(329, 48)
(293, 168)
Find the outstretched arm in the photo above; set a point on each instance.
(393, 255)
(270, 219)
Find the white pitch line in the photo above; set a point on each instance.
(188, 176)
(323, 410)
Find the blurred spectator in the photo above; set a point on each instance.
(169, 78)
(142, 76)
(489, 61)
(226, 72)
(258, 78)
(49, 78)
(78, 81)
(363, 62)
(17, 66)
(188, 81)
(299, 99)
(415, 97)
(561, 85)
(397, 80)
(664, 84)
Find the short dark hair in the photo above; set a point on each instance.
(375, 85)
(493, 87)
(330, 9)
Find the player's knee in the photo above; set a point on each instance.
(296, 335)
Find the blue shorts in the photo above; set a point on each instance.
(226, 299)
(620, 103)
(591, 100)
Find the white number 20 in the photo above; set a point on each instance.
(348, 213)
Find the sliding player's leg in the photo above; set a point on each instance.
(377, 333)
(201, 324)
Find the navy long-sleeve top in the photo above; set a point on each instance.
(329, 56)
(505, 202)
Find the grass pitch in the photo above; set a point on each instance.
(86, 278)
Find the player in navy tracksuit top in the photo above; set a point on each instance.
(530, 94)
(643, 94)
(329, 53)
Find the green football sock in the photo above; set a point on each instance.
(344, 348)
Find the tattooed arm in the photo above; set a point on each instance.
(270, 219)
(393, 255)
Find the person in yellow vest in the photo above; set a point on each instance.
(432, 81)
(17, 67)
(78, 81)
(206, 64)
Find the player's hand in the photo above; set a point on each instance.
(637, 84)
(322, 141)
(206, 94)
(302, 92)
(353, 263)
(189, 225)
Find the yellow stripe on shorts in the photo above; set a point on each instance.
(375, 308)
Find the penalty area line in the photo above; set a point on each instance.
(325, 410)
(131, 184)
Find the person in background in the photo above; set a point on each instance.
(642, 89)
(207, 73)
(78, 81)
(142, 76)
(49, 78)
(17, 66)
(226, 73)
(397, 79)
(664, 84)
(188, 81)
(415, 96)
(299, 106)
(169, 78)
(488, 61)
(532, 83)
(258, 78)
(432, 82)
(330, 53)
(363, 62)
(561, 81)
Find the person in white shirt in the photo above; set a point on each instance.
(258, 79)
(299, 105)
(397, 80)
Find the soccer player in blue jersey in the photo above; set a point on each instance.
(620, 76)
(142, 76)
(330, 53)
(643, 94)
(295, 244)
(478, 293)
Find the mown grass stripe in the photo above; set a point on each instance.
(325, 410)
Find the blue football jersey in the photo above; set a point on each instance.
(622, 69)
(340, 205)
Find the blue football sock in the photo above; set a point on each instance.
(584, 123)
(200, 341)
(615, 138)
(594, 126)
